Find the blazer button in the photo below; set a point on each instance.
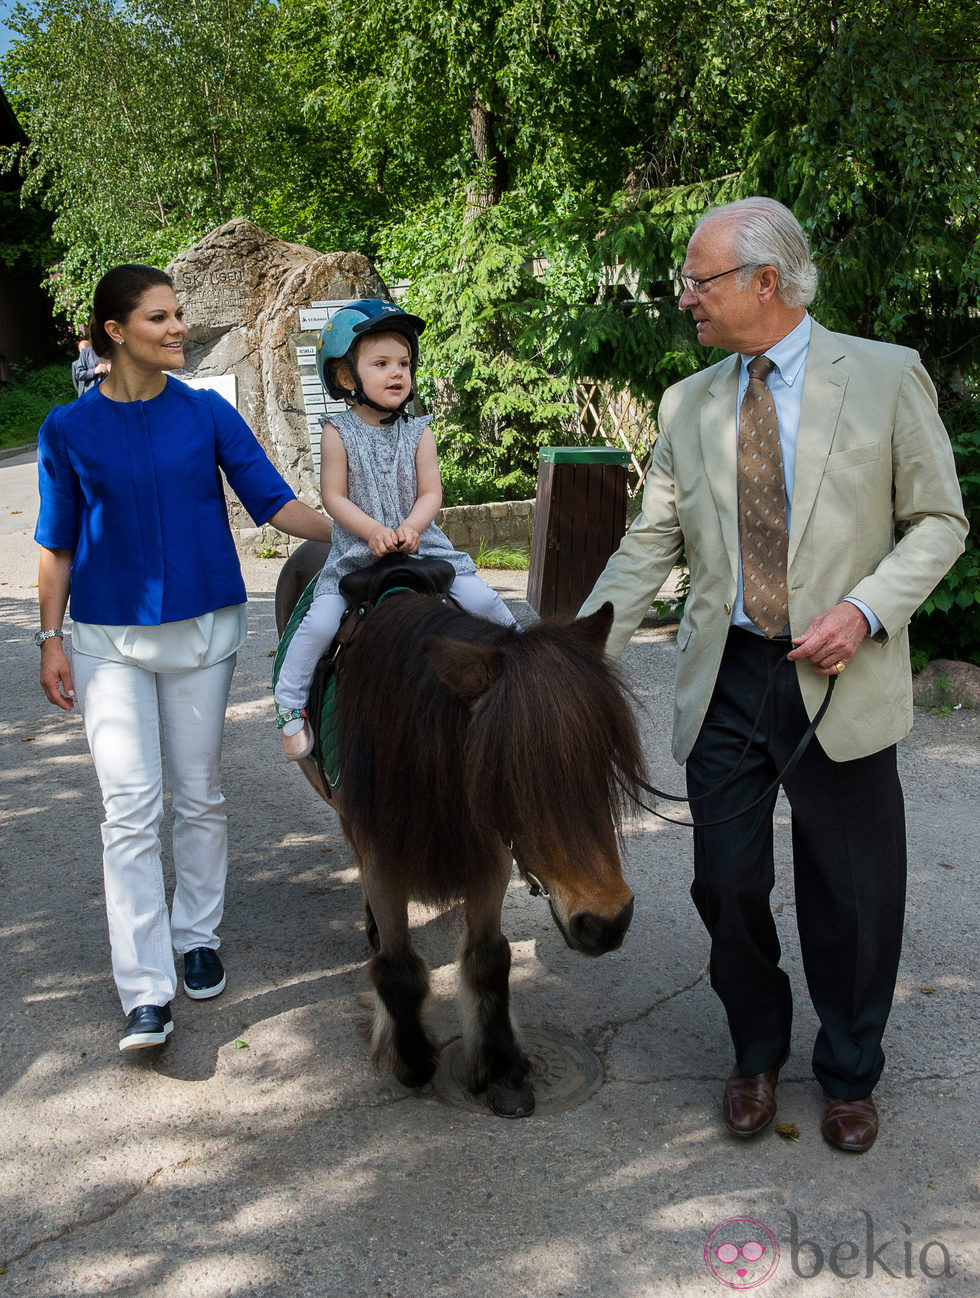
(728, 608)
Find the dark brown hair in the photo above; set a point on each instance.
(116, 295)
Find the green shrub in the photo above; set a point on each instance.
(27, 398)
(948, 623)
(468, 485)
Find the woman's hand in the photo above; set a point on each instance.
(382, 540)
(300, 520)
(408, 539)
(55, 673)
(53, 586)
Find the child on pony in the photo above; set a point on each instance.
(380, 483)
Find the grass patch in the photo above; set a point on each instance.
(27, 398)
(502, 556)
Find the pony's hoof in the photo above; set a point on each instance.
(511, 1101)
(417, 1075)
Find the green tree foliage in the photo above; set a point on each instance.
(948, 623)
(148, 124)
(534, 170)
(864, 119)
(465, 128)
(26, 399)
(497, 404)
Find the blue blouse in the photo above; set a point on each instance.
(134, 489)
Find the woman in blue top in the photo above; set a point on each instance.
(133, 525)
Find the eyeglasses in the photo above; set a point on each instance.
(696, 285)
(751, 1251)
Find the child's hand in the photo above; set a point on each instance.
(408, 538)
(382, 541)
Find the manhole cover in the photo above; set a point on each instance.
(564, 1072)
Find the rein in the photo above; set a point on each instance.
(787, 769)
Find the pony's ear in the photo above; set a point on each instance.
(596, 627)
(467, 670)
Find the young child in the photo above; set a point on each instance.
(379, 481)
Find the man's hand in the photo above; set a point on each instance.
(831, 640)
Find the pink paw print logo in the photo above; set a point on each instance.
(741, 1253)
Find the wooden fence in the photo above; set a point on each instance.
(616, 418)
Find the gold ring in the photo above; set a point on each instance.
(839, 667)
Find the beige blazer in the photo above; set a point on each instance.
(872, 456)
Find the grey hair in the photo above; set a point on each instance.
(766, 233)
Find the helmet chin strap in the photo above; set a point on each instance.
(392, 416)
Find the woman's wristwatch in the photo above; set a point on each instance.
(41, 636)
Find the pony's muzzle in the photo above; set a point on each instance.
(593, 934)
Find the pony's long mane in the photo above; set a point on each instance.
(426, 780)
(558, 735)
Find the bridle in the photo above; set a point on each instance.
(535, 885)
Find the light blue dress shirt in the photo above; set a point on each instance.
(786, 385)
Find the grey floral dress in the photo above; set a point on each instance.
(381, 481)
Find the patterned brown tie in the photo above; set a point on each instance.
(762, 526)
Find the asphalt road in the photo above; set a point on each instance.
(258, 1154)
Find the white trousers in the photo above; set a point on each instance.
(315, 633)
(129, 713)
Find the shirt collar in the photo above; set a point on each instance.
(789, 354)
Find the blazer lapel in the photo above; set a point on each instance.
(719, 449)
(823, 394)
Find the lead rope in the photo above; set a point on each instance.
(787, 769)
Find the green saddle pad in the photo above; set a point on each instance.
(322, 709)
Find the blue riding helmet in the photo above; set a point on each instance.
(353, 321)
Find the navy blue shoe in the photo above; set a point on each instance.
(147, 1025)
(204, 974)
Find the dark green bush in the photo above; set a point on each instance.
(948, 623)
(27, 398)
(466, 485)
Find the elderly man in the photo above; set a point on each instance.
(782, 474)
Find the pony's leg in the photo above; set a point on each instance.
(370, 924)
(400, 979)
(495, 1060)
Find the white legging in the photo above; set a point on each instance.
(315, 633)
(128, 712)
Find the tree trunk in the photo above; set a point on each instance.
(488, 188)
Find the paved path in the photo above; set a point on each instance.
(258, 1154)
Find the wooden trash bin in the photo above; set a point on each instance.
(579, 521)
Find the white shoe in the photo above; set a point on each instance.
(297, 739)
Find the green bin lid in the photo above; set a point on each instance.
(583, 455)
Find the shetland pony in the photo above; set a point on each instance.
(464, 747)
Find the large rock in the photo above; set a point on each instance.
(946, 683)
(242, 291)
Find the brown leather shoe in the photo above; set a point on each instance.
(850, 1124)
(750, 1102)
